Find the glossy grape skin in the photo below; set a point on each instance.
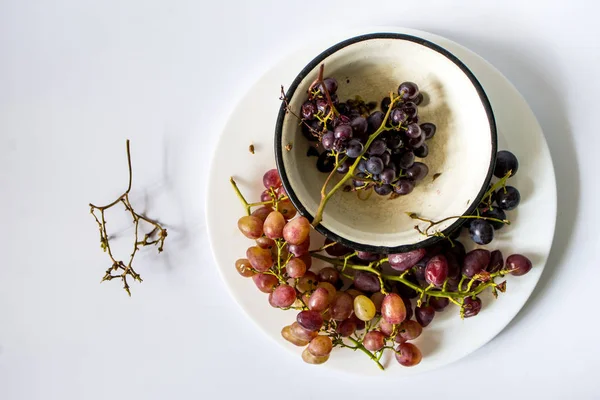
(309, 358)
(422, 151)
(418, 171)
(436, 270)
(439, 303)
(404, 186)
(336, 250)
(475, 261)
(364, 309)
(273, 225)
(343, 132)
(271, 179)
(266, 283)
(419, 99)
(359, 126)
(519, 264)
(408, 90)
(354, 149)
(424, 315)
(395, 142)
(318, 300)
(265, 243)
(387, 175)
(481, 231)
(307, 282)
(310, 320)
(327, 140)
(387, 158)
(287, 209)
(429, 129)
(417, 142)
(320, 346)
(331, 290)
(260, 259)
(505, 161)
(406, 160)
(375, 165)
(413, 131)
(377, 147)
(508, 198)
(283, 296)
(262, 212)
(374, 340)
(303, 334)
(410, 330)
(385, 103)
(393, 309)
(408, 355)
(346, 328)
(366, 256)
(299, 250)
(411, 109)
(287, 334)
(296, 231)
(251, 226)
(398, 116)
(383, 190)
(472, 307)
(308, 110)
(374, 121)
(377, 299)
(496, 213)
(366, 281)
(329, 274)
(296, 268)
(342, 306)
(244, 268)
(331, 85)
(496, 261)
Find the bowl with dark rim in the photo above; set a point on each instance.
(461, 154)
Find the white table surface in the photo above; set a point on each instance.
(78, 77)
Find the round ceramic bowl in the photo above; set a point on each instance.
(461, 154)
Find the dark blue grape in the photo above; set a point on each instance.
(385, 104)
(375, 120)
(359, 126)
(481, 231)
(325, 163)
(410, 108)
(406, 160)
(343, 108)
(377, 147)
(311, 130)
(398, 116)
(408, 90)
(386, 158)
(358, 182)
(340, 145)
(496, 262)
(417, 142)
(330, 84)
(429, 129)
(505, 161)
(375, 165)
(354, 149)
(404, 186)
(343, 132)
(422, 151)
(417, 171)
(340, 120)
(387, 175)
(323, 106)
(345, 167)
(327, 140)
(413, 131)
(472, 306)
(395, 142)
(362, 166)
(309, 109)
(497, 213)
(508, 198)
(383, 190)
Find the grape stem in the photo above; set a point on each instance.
(248, 206)
(434, 223)
(359, 346)
(429, 291)
(155, 237)
(325, 196)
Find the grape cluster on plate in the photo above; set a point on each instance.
(385, 142)
(363, 301)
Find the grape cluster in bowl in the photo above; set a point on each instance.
(386, 141)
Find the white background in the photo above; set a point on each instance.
(78, 77)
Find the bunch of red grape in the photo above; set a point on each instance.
(353, 302)
(386, 143)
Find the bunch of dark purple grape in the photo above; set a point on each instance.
(387, 144)
(499, 199)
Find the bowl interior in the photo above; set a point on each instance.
(461, 154)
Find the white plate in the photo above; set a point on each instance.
(448, 338)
